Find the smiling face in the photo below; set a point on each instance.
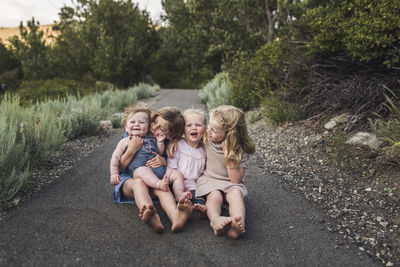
(194, 129)
(137, 124)
(215, 132)
(160, 124)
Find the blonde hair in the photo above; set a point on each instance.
(175, 119)
(196, 111)
(131, 110)
(237, 140)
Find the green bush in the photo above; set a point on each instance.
(12, 79)
(216, 92)
(279, 111)
(33, 91)
(252, 79)
(368, 29)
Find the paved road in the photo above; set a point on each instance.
(74, 222)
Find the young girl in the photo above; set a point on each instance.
(190, 157)
(227, 147)
(170, 122)
(137, 148)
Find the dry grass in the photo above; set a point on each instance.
(6, 33)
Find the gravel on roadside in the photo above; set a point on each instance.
(364, 205)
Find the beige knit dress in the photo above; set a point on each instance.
(215, 176)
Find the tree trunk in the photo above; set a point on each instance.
(271, 20)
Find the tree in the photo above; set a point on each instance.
(31, 51)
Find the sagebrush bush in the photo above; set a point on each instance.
(216, 92)
(14, 166)
(278, 111)
(143, 91)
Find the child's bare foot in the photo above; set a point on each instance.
(219, 224)
(149, 216)
(183, 211)
(237, 229)
(202, 209)
(163, 184)
(185, 194)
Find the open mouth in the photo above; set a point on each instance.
(194, 135)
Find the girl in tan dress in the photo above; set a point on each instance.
(227, 147)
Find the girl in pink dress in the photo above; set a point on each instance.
(227, 147)
(190, 158)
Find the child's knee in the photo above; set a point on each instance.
(175, 176)
(234, 193)
(216, 196)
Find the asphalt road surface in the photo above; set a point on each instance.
(74, 222)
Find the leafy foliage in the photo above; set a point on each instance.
(278, 111)
(368, 29)
(252, 79)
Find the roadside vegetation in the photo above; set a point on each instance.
(30, 135)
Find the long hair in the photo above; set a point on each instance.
(237, 140)
(175, 119)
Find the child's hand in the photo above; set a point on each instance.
(135, 143)
(157, 161)
(115, 179)
(172, 147)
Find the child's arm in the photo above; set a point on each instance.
(235, 174)
(114, 162)
(134, 144)
(173, 162)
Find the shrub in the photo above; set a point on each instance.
(253, 116)
(216, 92)
(253, 78)
(14, 167)
(33, 91)
(143, 91)
(279, 111)
(368, 29)
(12, 79)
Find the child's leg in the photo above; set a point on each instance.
(176, 178)
(150, 179)
(214, 204)
(237, 210)
(136, 189)
(178, 214)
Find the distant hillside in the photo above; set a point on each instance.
(6, 33)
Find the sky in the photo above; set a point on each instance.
(45, 11)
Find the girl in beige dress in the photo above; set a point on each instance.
(227, 147)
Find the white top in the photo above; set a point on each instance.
(190, 162)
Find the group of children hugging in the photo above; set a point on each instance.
(202, 164)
